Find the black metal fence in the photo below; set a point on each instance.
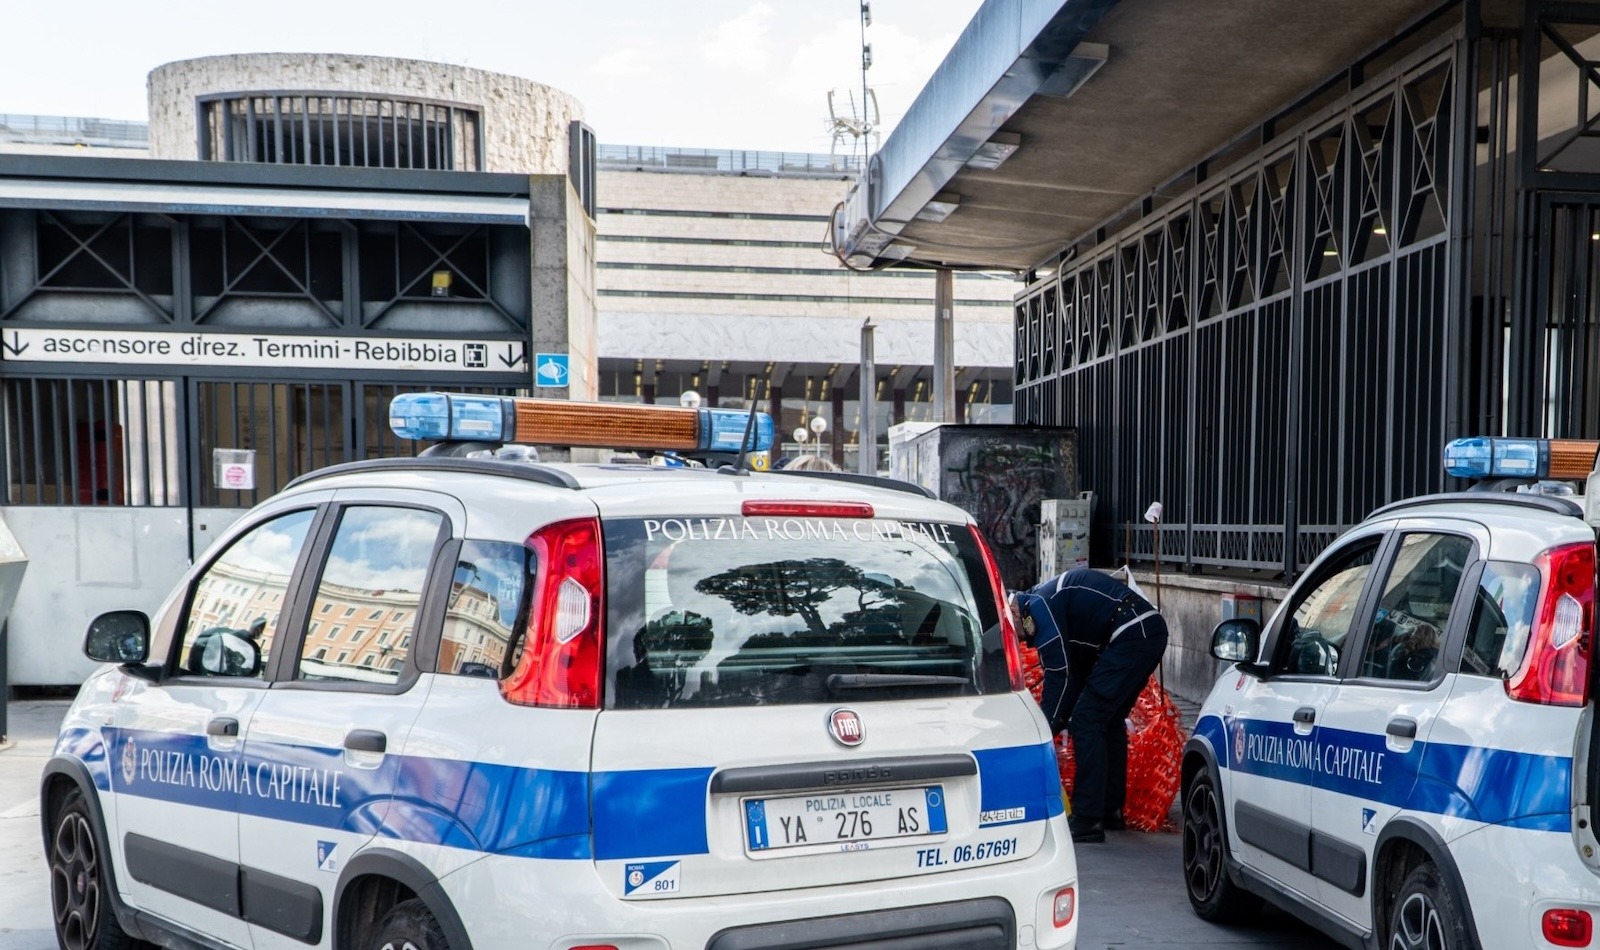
(1268, 354)
(150, 442)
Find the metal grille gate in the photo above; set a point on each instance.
(1267, 355)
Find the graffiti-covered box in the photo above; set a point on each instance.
(998, 473)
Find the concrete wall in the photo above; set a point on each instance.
(1192, 607)
(81, 563)
(770, 291)
(524, 123)
(562, 282)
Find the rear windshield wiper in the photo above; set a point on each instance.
(839, 682)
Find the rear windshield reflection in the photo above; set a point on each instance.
(744, 612)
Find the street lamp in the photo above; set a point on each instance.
(800, 434)
(819, 425)
(689, 400)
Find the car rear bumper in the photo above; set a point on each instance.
(528, 904)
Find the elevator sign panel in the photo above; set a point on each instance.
(146, 348)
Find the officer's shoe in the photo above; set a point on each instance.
(1114, 822)
(1086, 830)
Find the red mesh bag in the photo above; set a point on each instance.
(1155, 750)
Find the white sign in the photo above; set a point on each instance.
(234, 469)
(153, 348)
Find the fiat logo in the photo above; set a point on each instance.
(845, 727)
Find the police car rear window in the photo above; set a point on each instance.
(758, 611)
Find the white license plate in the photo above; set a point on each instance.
(843, 818)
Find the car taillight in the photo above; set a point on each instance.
(1555, 670)
(1064, 906)
(561, 654)
(1008, 632)
(1568, 928)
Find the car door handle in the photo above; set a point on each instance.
(1402, 728)
(223, 726)
(366, 740)
(1306, 714)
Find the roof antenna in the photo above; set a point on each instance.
(738, 467)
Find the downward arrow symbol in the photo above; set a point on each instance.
(511, 357)
(11, 347)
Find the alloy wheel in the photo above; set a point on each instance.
(1417, 925)
(75, 882)
(1202, 842)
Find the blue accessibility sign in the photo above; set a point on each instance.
(550, 369)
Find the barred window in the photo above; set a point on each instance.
(91, 442)
(307, 128)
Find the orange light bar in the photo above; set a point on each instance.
(603, 425)
(1572, 458)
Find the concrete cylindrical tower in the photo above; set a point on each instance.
(523, 126)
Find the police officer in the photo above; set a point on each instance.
(1098, 642)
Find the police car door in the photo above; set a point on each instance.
(1371, 736)
(1274, 718)
(324, 748)
(178, 772)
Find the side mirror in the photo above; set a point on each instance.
(121, 636)
(1237, 641)
(229, 654)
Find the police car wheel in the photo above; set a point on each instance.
(409, 926)
(1425, 914)
(1205, 848)
(78, 892)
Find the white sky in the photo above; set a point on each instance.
(699, 73)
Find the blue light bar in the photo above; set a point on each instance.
(1497, 457)
(721, 430)
(454, 416)
(467, 418)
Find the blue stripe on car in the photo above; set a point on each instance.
(478, 806)
(1494, 786)
(1025, 777)
(87, 747)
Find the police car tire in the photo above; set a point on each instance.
(1212, 893)
(80, 892)
(1425, 914)
(409, 926)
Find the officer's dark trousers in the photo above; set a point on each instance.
(1105, 688)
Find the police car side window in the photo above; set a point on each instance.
(1407, 638)
(365, 610)
(1321, 619)
(1502, 618)
(488, 604)
(242, 593)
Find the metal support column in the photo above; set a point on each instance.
(944, 346)
(867, 434)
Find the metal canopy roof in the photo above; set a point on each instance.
(1101, 103)
(133, 184)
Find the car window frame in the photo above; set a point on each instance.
(1454, 634)
(1275, 643)
(285, 666)
(175, 636)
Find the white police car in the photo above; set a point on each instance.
(1408, 757)
(469, 703)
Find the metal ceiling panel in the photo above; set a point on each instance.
(178, 198)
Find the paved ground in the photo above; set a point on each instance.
(24, 886)
(1132, 893)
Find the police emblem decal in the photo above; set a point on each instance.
(845, 727)
(1238, 743)
(130, 762)
(652, 879)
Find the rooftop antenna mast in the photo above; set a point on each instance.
(860, 126)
